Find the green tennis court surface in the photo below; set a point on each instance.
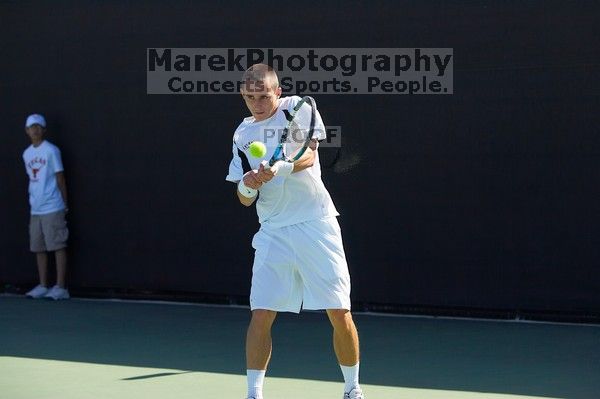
(106, 349)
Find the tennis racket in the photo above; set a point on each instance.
(298, 133)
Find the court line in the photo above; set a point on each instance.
(358, 313)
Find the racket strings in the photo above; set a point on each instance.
(296, 138)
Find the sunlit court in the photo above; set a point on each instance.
(115, 349)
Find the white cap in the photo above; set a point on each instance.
(35, 119)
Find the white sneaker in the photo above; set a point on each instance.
(57, 293)
(38, 292)
(356, 393)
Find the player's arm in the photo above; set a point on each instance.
(244, 200)
(308, 158)
(247, 188)
(62, 186)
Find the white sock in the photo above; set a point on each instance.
(350, 377)
(256, 378)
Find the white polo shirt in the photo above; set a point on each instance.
(42, 163)
(283, 201)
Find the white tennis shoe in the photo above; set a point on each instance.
(57, 293)
(38, 292)
(356, 393)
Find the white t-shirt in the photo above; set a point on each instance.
(41, 164)
(283, 201)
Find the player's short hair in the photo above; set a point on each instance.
(257, 75)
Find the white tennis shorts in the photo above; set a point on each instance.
(300, 266)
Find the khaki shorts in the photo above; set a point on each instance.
(48, 232)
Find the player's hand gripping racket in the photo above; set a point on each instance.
(296, 136)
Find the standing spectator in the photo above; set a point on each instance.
(48, 200)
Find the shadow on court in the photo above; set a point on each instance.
(496, 357)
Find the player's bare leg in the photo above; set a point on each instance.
(61, 267)
(346, 346)
(42, 265)
(345, 336)
(258, 339)
(258, 349)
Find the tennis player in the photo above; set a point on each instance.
(299, 259)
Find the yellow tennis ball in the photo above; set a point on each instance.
(257, 149)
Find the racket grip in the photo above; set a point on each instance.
(265, 165)
(281, 168)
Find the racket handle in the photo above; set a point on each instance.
(280, 168)
(265, 165)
